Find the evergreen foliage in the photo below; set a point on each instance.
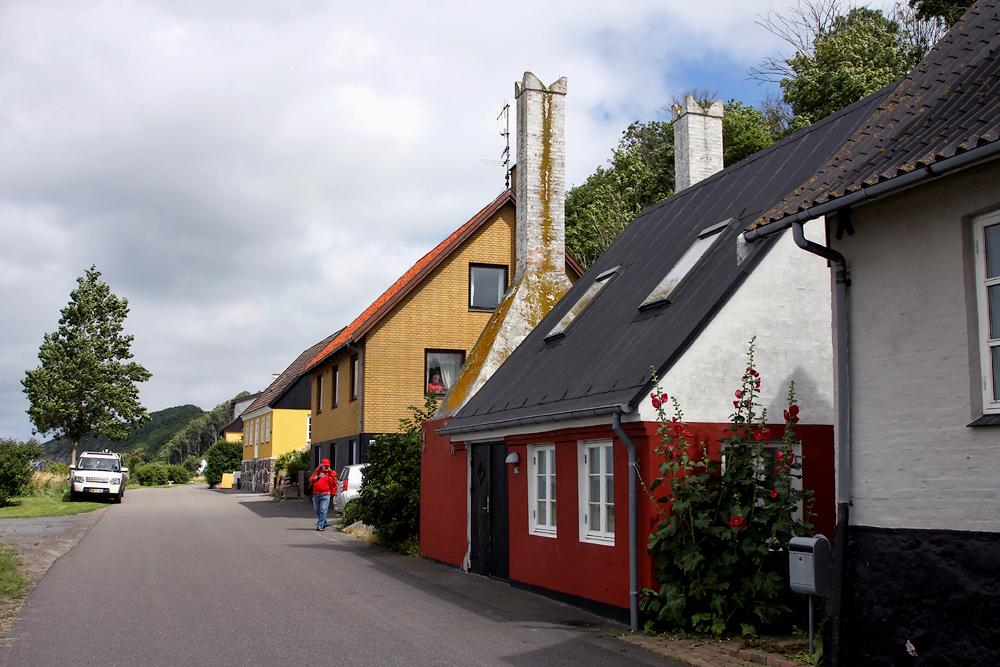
(948, 10)
(196, 436)
(293, 462)
(151, 474)
(222, 457)
(85, 382)
(16, 469)
(390, 487)
(178, 474)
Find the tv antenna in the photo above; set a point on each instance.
(504, 160)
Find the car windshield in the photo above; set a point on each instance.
(89, 463)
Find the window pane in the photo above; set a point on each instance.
(995, 352)
(541, 462)
(609, 460)
(681, 268)
(994, 298)
(595, 517)
(552, 511)
(541, 513)
(486, 286)
(442, 371)
(595, 489)
(594, 460)
(611, 519)
(587, 297)
(610, 497)
(992, 251)
(541, 487)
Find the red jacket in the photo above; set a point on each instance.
(324, 481)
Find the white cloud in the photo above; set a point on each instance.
(250, 175)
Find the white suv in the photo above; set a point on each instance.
(98, 473)
(348, 485)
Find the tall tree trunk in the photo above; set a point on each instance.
(72, 454)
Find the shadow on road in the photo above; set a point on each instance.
(266, 508)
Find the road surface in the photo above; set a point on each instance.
(192, 576)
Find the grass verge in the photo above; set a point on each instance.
(12, 582)
(38, 506)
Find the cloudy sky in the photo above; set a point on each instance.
(251, 174)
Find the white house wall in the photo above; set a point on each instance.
(915, 463)
(785, 303)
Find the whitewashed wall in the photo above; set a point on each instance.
(913, 359)
(785, 302)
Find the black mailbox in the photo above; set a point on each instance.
(808, 562)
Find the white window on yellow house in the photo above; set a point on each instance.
(267, 428)
(319, 393)
(336, 387)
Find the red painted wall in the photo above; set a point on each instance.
(444, 490)
(563, 563)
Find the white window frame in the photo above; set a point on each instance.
(267, 427)
(319, 393)
(587, 534)
(336, 387)
(309, 428)
(256, 438)
(991, 403)
(548, 450)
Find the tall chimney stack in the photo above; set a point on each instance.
(540, 273)
(697, 142)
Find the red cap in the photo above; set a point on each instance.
(325, 462)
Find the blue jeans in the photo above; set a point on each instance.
(321, 503)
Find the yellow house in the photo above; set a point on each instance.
(414, 338)
(233, 431)
(277, 422)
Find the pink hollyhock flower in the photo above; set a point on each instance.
(767, 432)
(664, 397)
(656, 402)
(791, 456)
(787, 416)
(736, 404)
(739, 394)
(737, 521)
(653, 395)
(774, 493)
(688, 434)
(780, 455)
(755, 374)
(758, 434)
(788, 468)
(793, 410)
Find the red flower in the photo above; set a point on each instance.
(780, 455)
(787, 468)
(678, 429)
(664, 397)
(793, 410)
(791, 456)
(778, 469)
(656, 403)
(755, 374)
(736, 404)
(767, 433)
(774, 493)
(737, 521)
(653, 395)
(688, 434)
(787, 416)
(739, 394)
(758, 434)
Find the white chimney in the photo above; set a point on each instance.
(697, 142)
(540, 274)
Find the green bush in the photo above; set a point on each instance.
(151, 474)
(56, 468)
(178, 474)
(222, 457)
(191, 464)
(390, 490)
(351, 513)
(293, 462)
(16, 458)
(133, 461)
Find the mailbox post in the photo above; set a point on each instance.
(808, 563)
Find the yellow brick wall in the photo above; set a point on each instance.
(434, 316)
(342, 420)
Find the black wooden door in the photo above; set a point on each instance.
(490, 531)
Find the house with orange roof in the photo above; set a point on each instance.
(413, 340)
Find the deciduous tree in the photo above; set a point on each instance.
(86, 383)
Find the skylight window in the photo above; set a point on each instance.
(706, 239)
(559, 330)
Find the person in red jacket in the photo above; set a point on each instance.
(324, 485)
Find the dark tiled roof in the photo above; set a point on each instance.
(949, 104)
(605, 357)
(290, 374)
(235, 426)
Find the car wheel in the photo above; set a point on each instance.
(117, 498)
(74, 496)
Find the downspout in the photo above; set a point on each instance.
(361, 391)
(633, 522)
(843, 429)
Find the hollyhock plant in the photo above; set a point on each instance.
(720, 522)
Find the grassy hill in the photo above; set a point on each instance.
(162, 426)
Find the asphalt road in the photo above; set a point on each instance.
(191, 576)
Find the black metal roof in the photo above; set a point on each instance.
(948, 104)
(605, 357)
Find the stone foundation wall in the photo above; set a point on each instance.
(258, 475)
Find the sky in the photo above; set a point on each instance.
(251, 175)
